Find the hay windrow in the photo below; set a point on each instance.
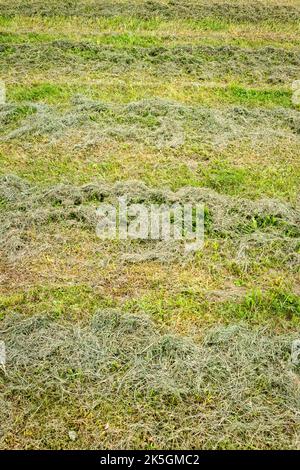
(263, 224)
(224, 11)
(203, 62)
(155, 122)
(236, 387)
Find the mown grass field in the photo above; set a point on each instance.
(159, 101)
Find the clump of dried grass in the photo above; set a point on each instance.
(236, 388)
(199, 61)
(265, 225)
(225, 11)
(155, 122)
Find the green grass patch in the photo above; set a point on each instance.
(128, 40)
(8, 37)
(254, 97)
(251, 181)
(75, 301)
(48, 92)
(6, 20)
(125, 91)
(275, 305)
(259, 305)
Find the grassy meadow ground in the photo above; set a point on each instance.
(135, 345)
